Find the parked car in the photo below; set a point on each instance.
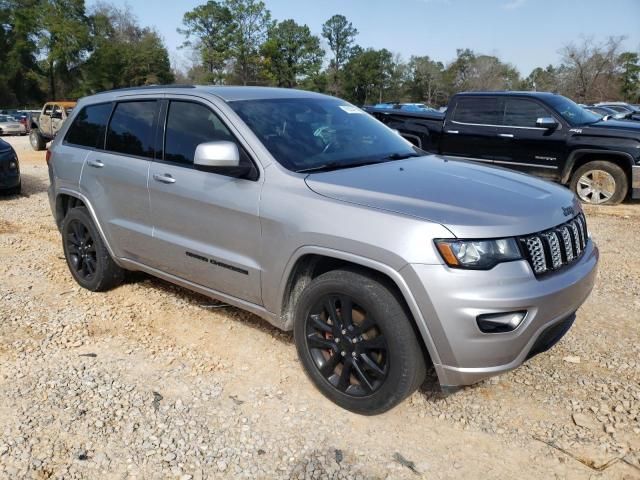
(629, 111)
(407, 107)
(11, 126)
(542, 134)
(45, 126)
(10, 182)
(306, 211)
(606, 113)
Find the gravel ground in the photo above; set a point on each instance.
(153, 381)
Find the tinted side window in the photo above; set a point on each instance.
(188, 125)
(477, 110)
(131, 129)
(89, 127)
(523, 113)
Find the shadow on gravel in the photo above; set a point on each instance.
(32, 185)
(207, 304)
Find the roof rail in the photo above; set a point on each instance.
(147, 87)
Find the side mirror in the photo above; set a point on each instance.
(217, 155)
(221, 157)
(549, 123)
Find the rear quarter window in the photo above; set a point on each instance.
(89, 126)
(478, 110)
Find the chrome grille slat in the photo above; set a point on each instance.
(554, 247)
(536, 252)
(558, 247)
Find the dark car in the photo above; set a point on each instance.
(542, 134)
(606, 113)
(10, 182)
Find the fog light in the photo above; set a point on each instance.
(500, 322)
(13, 165)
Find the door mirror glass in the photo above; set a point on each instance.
(546, 122)
(215, 155)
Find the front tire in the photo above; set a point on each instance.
(357, 343)
(87, 257)
(38, 143)
(600, 183)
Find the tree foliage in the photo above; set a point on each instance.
(291, 54)
(340, 35)
(57, 48)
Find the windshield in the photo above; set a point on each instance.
(312, 133)
(572, 112)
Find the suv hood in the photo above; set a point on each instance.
(630, 126)
(472, 201)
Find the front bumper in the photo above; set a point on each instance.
(635, 181)
(450, 301)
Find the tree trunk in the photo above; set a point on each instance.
(52, 81)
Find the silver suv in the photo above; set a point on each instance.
(308, 212)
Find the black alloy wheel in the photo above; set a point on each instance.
(347, 345)
(356, 340)
(81, 249)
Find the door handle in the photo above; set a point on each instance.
(453, 131)
(95, 163)
(506, 135)
(166, 178)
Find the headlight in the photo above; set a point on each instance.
(478, 254)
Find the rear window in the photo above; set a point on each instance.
(89, 126)
(477, 110)
(131, 129)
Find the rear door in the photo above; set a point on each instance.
(114, 177)
(470, 129)
(526, 147)
(206, 224)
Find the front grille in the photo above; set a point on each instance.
(557, 247)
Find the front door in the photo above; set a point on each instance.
(526, 147)
(57, 119)
(470, 129)
(206, 224)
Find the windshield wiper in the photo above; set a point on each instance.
(401, 156)
(327, 167)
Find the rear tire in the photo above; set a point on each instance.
(367, 360)
(87, 257)
(38, 142)
(600, 183)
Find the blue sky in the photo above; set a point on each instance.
(527, 33)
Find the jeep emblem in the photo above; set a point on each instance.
(568, 211)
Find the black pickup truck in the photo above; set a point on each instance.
(542, 134)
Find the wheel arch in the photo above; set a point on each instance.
(66, 199)
(580, 157)
(310, 262)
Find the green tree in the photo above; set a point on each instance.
(291, 53)
(209, 29)
(64, 42)
(19, 69)
(124, 53)
(367, 75)
(252, 23)
(630, 76)
(340, 34)
(426, 81)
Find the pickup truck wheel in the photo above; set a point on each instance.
(37, 141)
(600, 183)
(357, 343)
(87, 257)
